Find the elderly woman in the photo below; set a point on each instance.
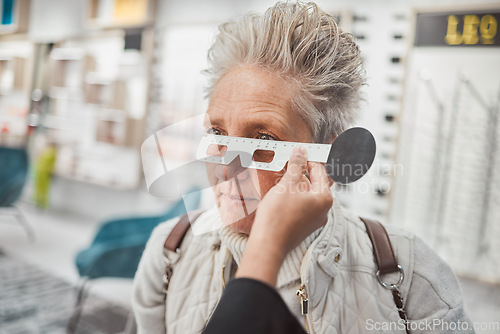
(290, 75)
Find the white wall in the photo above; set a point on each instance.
(52, 20)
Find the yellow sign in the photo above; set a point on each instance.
(474, 31)
(131, 11)
(473, 28)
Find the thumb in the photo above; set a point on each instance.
(319, 179)
(297, 164)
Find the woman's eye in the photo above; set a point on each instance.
(265, 136)
(214, 131)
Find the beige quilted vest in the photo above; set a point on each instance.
(338, 273)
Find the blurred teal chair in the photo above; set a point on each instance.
(13, 174)
(117, 248)
(119, 243)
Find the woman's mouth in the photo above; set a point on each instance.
(235, 199)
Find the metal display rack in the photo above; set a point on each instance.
(450, 192)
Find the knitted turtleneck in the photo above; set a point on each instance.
(290, 270)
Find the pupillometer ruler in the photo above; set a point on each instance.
(246, 147)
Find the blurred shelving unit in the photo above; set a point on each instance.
(449, 194)
(98, 95)
(16, 64)
(14, 16)
(381, 33)
(120, 13)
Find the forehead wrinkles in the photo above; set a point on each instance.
(250, 88)
(253, 82)
(253, 118)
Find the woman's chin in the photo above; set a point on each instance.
(236, 216)
(236, 223)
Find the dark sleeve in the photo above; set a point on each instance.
(251, 306)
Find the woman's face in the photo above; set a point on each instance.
(250, 102)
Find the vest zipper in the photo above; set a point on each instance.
(226, 264)
(223, 274)
(304, 304)
(223, 278)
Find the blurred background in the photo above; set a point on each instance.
(84, 82)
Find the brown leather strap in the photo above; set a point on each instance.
(174, 239)
(384, 255)
(385, 258)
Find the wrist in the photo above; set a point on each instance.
(272, 239)
(262, 260)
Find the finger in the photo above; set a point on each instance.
(330, 180)
(297, 165)
(319, 179)
(307, 175)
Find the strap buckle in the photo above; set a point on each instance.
(392, 286)
(171, 257)
(169, 269)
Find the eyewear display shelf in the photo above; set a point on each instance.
(14, 16)
(97, 105)
(16, 64)
(450, 138)
(120, 13)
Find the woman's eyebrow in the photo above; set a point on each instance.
(274, 125)
(210, 120)
(264, 121)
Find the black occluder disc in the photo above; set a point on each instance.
(351, 155)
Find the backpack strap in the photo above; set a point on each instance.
(174, 241)
(386, 262)
(382, 248)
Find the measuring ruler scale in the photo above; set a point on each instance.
(347, 159)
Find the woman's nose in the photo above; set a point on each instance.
(234, 169)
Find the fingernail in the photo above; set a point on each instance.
(299, 151)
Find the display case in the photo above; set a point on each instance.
(120, 13)
(14, 15)
(16, 63)
(97, 107)
(450, 138)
